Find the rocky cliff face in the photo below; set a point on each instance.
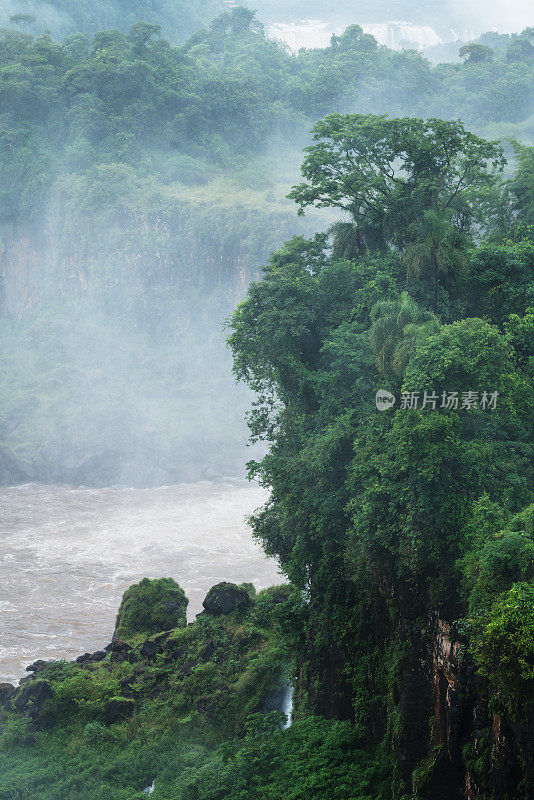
(451, 744)
(482, 753)
(412, 681)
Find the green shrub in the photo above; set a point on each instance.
(503, 644)
(17, 732)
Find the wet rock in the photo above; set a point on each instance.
(32, 698)
(7, 690)
(224, 598)
(118, 646)
(34, 693)
(121, 658)
(208, 650)
(175, 651)
(90, 658)
(162, 637)
(39, 666)
(119, 710)
(175, 648)
(150, 607)
(186, 668)
(127, 682)
(99, 655)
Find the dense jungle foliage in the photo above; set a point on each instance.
(399, 530)
(180, 18)
(396, 521)
(131, 98)
(387, 523)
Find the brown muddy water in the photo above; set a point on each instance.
(67, 555)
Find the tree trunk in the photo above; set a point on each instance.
(436, 273)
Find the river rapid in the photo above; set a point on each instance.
(67, 555)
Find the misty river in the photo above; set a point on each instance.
(68, 555)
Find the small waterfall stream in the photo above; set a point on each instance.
(287, 706)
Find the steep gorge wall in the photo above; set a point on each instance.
(439, 731)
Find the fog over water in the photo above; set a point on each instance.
(67, 555)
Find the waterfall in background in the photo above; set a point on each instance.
(404, 34)
(397, 35)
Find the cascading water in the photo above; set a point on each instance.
(287, 706)
(307, 33)
(316, 33)
(396, 35)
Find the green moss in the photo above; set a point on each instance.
(151, 606)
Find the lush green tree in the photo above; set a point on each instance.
(520, 50)
(140, 35)
(395, 328)
(440, 247)
(522, 184)
(476, 54)
(405, 182)
(23, 20)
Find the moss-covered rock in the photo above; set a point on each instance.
(151, 606)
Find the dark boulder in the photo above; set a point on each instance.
(208, 650)
(225, 598)
(126, 683)
(99, 655)
(119, 710)
(6, 693)
(33, 694)
(39, 666)
(33, 699)
(186, 668)
(118, 646)
(91, 658)
(121, 657)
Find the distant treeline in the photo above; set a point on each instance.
(117, 97)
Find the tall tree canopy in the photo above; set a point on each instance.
(410, 183)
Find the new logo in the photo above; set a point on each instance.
(384, 400)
